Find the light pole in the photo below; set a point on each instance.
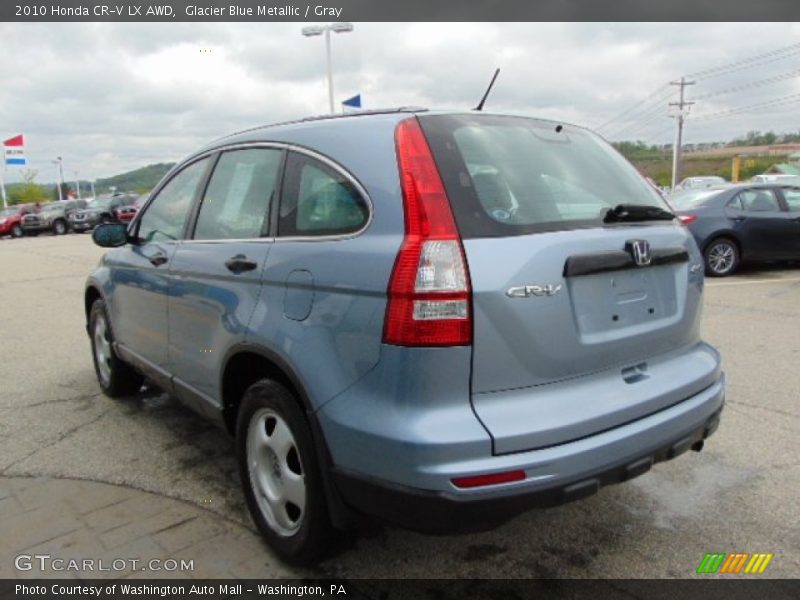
(314, 30)
(77, 185)
(60, 162)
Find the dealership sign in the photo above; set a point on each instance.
(15, 151)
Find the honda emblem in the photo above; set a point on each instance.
(640, 251)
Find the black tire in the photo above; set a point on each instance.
(264, 401)
(59, 227)
(721, 257)
(121, 379)
(16, 231)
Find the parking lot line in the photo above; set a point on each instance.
(757, 281)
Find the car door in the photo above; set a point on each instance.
(765, 229)
(216, 273)
(791, 197)
(140, 273)
(323, 294)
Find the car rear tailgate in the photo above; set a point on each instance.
(542, 416)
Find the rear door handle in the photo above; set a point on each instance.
(240, 263)
(739, 219)
(157, 259)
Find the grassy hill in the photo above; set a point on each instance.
(139, 180)
(659, 168)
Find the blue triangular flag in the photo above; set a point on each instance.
(354, 102)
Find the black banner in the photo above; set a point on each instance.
(733, 588)
(393, 10)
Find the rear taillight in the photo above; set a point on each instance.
(686, 219)
(429, 298)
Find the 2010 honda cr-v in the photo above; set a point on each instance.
(441, 319)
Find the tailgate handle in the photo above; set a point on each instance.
(620, 260)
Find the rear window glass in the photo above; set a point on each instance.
(512, 175)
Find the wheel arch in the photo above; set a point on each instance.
(244, 364)
(90, 296)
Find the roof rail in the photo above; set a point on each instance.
(358, 113)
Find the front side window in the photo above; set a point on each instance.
(236, 203)
(165, 216)
(759, 201)
(318, 200)
(513, 176)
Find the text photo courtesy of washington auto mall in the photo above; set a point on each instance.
(309, 304)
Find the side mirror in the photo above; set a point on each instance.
(110, 235)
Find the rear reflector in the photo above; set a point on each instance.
(429, 296)
(489, 479)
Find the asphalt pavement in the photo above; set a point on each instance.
(171, 477)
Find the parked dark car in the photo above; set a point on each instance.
(746, 222)
(51, 217)
(11, 217)
(102, 210)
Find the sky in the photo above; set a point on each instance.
(111, 97)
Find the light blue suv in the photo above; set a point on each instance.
(440, 319)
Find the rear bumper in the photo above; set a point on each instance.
(555, 475)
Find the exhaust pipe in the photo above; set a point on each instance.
(697, 446)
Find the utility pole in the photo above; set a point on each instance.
(676, 150)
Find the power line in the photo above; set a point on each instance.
(628, 131)
(632, 108)
(656, 110)
(760, 64)
(752, 84)
(791, 98)
(772, 55)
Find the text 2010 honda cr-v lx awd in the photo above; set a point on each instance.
(440, 319)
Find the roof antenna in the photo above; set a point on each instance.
(489, 89)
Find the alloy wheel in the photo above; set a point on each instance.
(721, 257)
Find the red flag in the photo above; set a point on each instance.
(14, 141)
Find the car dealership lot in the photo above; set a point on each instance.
(738, 495)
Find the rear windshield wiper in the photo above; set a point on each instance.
(636, 212)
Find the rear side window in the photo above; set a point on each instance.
(512, 176)
(165, 216)
(236, 203)
(735, 202)
(759, 201)
(318, 200)
(792, 196)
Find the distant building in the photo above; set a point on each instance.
(792, 167)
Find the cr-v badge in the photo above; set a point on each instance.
(525, 291)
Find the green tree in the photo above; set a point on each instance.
(29, 191)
